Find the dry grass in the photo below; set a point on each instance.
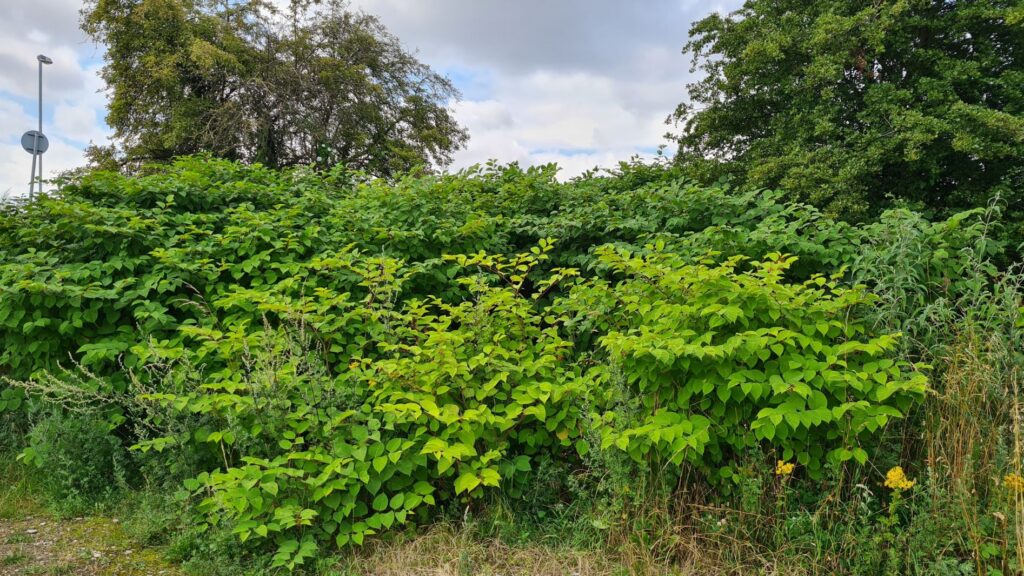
(445, 550)
(974, 434)
(969, 414)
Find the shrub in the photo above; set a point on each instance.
(717, 361)
(447, 400)
(326, 357)
(79, 459)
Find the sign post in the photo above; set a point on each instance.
(33, 141)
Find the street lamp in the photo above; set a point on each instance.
(34, 141)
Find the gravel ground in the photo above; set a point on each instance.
(88, 546)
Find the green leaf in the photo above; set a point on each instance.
(490, 477)
(397, 500)
(582, 448)
(466, 482)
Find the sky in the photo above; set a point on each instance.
(584, 83)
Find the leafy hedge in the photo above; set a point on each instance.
(334, 355)
(112, 258)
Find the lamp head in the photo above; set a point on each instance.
(44, 59)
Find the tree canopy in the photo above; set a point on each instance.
(318, 85)
(849, 104)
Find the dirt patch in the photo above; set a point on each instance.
(39, 544)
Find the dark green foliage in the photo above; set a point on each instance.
(322, 85)
(849, 104)
(80, 459)
(113, 260)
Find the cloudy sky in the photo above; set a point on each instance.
(583, 83)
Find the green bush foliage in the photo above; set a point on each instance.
(448, 400)
(721, 361)
(82, 460)
(318, 358)
(113, 260)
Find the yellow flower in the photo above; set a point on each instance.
(353, 365)
(783, 468)
(896, 479)
(1014, 482)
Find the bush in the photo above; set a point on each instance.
(79, 459)
(323, 358)
(714, 362)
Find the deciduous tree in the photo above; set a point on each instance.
(319, 84)
(849, 104)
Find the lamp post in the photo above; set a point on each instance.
(39, 143)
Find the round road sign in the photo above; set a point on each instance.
(34, 142)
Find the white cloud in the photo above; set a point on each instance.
(65, 78)
(583, 83)
(526, 35)
(11, 114)
(77, 121)
(578, 119)
(13, 175)
(80, 119)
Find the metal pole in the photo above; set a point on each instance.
(38, 137)
(32, 180)
(40, 125)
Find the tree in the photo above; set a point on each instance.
(849, 104)
(321, 85)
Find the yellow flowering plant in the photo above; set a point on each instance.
(1014, 482)
(783, 468)
(896, 479)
